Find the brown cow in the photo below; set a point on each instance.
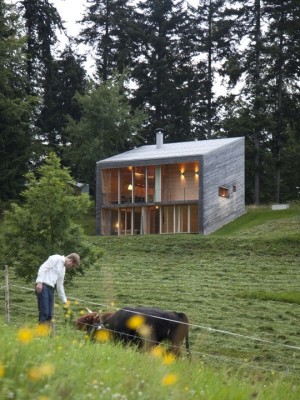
(142, 326)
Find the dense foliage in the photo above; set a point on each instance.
(15, 107)
(219, 69)
(45, 223)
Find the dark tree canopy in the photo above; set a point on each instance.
(15, 107)
(219, 69)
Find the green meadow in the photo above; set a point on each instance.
(239, 288)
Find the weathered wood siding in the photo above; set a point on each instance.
(224, 167)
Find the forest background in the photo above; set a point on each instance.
(156, 65)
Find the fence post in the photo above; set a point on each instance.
(7, 314)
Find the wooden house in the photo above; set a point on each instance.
(186, 187)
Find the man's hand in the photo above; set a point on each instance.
(38, 287)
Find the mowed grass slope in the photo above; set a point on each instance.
(238, 286)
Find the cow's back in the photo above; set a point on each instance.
(164, 325)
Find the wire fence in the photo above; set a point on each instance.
(18, 303)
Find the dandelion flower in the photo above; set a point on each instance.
(135, 322)
(25, 335)
(103, 335)
(42, 330)
(34, 374)
(169, 380)
(37, 373)
(2, 370)
(67, 304)
(168, 359)
(157, 351)
(47, 369)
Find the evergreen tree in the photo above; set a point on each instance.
(163, 72)
(210, 29)
(70, 78)
(248, 62)
(46, 223)
(41, 22)
(15, 107)
(283, 56)
(268, 62)
(109, 30)
(107, 127)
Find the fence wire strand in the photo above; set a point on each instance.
(191, 325)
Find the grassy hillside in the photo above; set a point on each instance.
(238, 286)
(66, 367)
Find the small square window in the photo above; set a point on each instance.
(234, 188)
(223, 192)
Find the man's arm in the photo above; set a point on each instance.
(60, 289)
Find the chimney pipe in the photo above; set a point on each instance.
(159, 139)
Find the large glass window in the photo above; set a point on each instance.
(109, 222)
(139, 184)
(150, 187)
(180, 182)
(110, 186)
(126, 185)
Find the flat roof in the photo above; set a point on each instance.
(170, 150)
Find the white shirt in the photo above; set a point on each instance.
(52, 272)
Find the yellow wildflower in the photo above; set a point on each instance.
(34, 374)
(2, 370)
(169, 379)
(47, 369)
(67, 304)
(168, 359)
(25, 335)
(157, 351)
(135, 322)
(42, 330)
(103, 335)
(39, 372)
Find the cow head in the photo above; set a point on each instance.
(85, 321)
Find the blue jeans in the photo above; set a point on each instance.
(45, 303)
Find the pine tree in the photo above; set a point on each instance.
(210, 31)
(41, 22)
(163, 72)
(46, 222)
(283, 56)
(107, 127)
(15, 107)
(70, 78)
(109, 30)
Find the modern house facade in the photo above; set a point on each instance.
(186, 187)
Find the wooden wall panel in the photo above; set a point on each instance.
(224, 167)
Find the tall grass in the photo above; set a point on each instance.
(238, 286)
(34, 366)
